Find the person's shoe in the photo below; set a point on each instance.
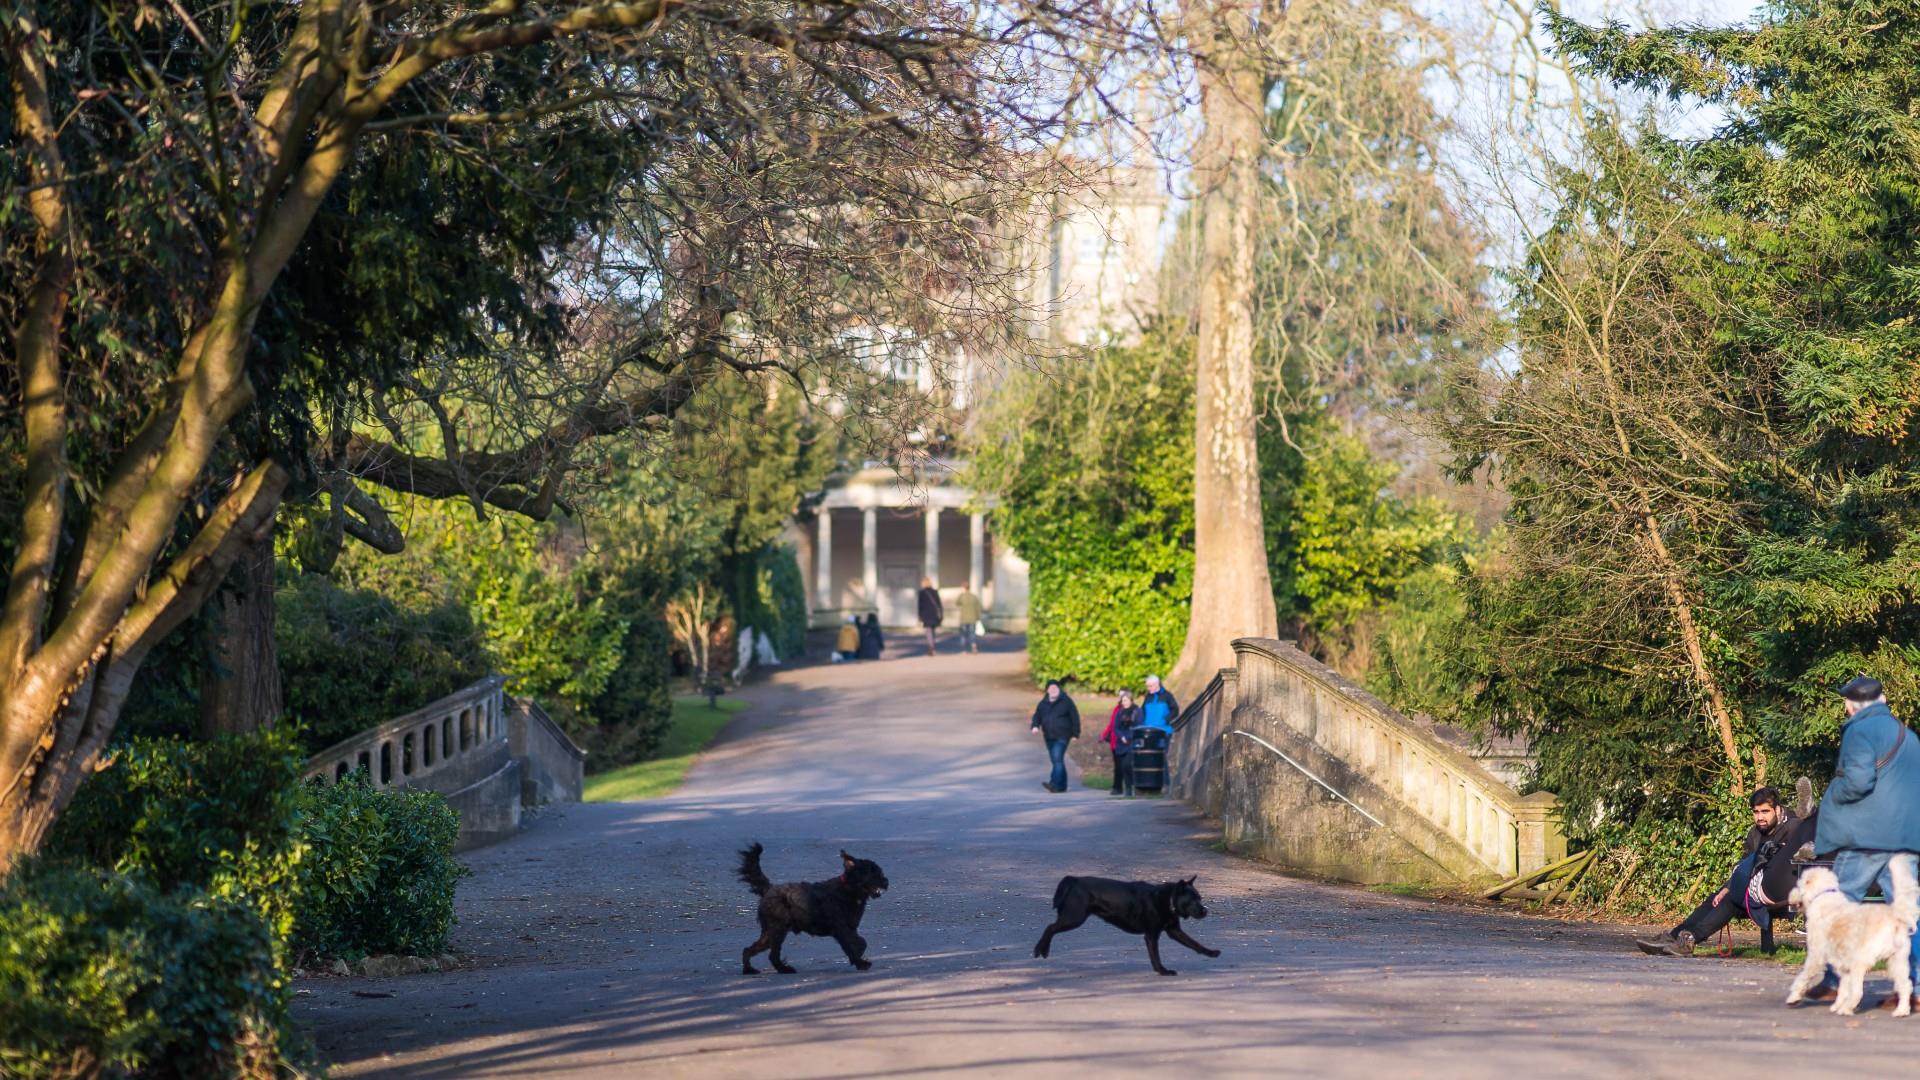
(1680, 944)
(1048, 784)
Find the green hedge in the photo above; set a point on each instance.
(219, 818)
(101, 973)
(636, 708)
(380, 875)
(402, 654)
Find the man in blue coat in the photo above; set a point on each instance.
(1871, 811)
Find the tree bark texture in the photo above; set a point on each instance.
(1232, 592)
(240, 691)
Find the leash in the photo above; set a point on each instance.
(1726, 940)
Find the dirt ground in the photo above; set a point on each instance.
(605, 940)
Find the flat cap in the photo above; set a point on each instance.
(1862, 688)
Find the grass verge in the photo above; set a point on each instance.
(694, 726)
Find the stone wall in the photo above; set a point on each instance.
(1307, 770)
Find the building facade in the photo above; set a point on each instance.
(877, 530)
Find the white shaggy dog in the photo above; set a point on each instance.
(1851, 938)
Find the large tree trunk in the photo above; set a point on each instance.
(1232, 592)
(240, 691)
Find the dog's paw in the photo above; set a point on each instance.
(1168, 971)
(1212, 954)
(862, 965)
(1839, 1009)
(787, 969)
(1040, 952)
(749, 970)
(1903, 1009)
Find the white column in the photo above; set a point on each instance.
(870, 556)
(977, 559)
(823, 562)
(933, 545)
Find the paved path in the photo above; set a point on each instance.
(606, 939)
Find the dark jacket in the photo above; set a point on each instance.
(931, 610)
(1871, 807)
(1158, 709)
(871, 640)
(1119, 733)
(1774, 859)
(1057, 720)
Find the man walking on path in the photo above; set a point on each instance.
(1868, 813)
(931, 610)
(1158, 709)
(969, 608)
(1058, 721)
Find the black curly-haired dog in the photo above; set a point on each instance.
(821, 908)
(1134, 906)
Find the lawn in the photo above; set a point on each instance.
(694, 726)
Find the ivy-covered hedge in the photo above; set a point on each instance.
(1094, 471)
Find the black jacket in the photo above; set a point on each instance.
(1057, 720)
(1776, 868)
(931, 610)
(871, 641)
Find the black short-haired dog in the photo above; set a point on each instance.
(1134, 906)
(821, 908)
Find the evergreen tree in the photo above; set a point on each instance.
(1707, 435)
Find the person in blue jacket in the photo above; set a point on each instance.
(1158, 709)
(1871, 810)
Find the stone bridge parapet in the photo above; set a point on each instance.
(488, 753)
(1308, 770)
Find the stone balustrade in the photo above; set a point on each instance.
(440, 739)
(487, 753)
(1313, 772)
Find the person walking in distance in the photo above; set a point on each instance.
(932, 611)
(1119, 740)
(968, 605)
(1867, 815)
(1058, 722)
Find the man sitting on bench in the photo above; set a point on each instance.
(1775, 836)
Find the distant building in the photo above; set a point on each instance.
(877, 531)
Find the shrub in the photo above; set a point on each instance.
(215, 817)
(403, 651)
(380, 875)
(103, 973)
(636, 707)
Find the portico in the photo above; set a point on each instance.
(875, 534)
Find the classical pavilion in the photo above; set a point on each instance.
(878, 529)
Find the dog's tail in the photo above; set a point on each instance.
(1906, 891)
(1060, 891)
(750, 871)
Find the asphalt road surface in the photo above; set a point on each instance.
(605, 940)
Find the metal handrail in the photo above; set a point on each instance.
(1336, 793)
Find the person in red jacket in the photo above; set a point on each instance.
(1119, 739)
